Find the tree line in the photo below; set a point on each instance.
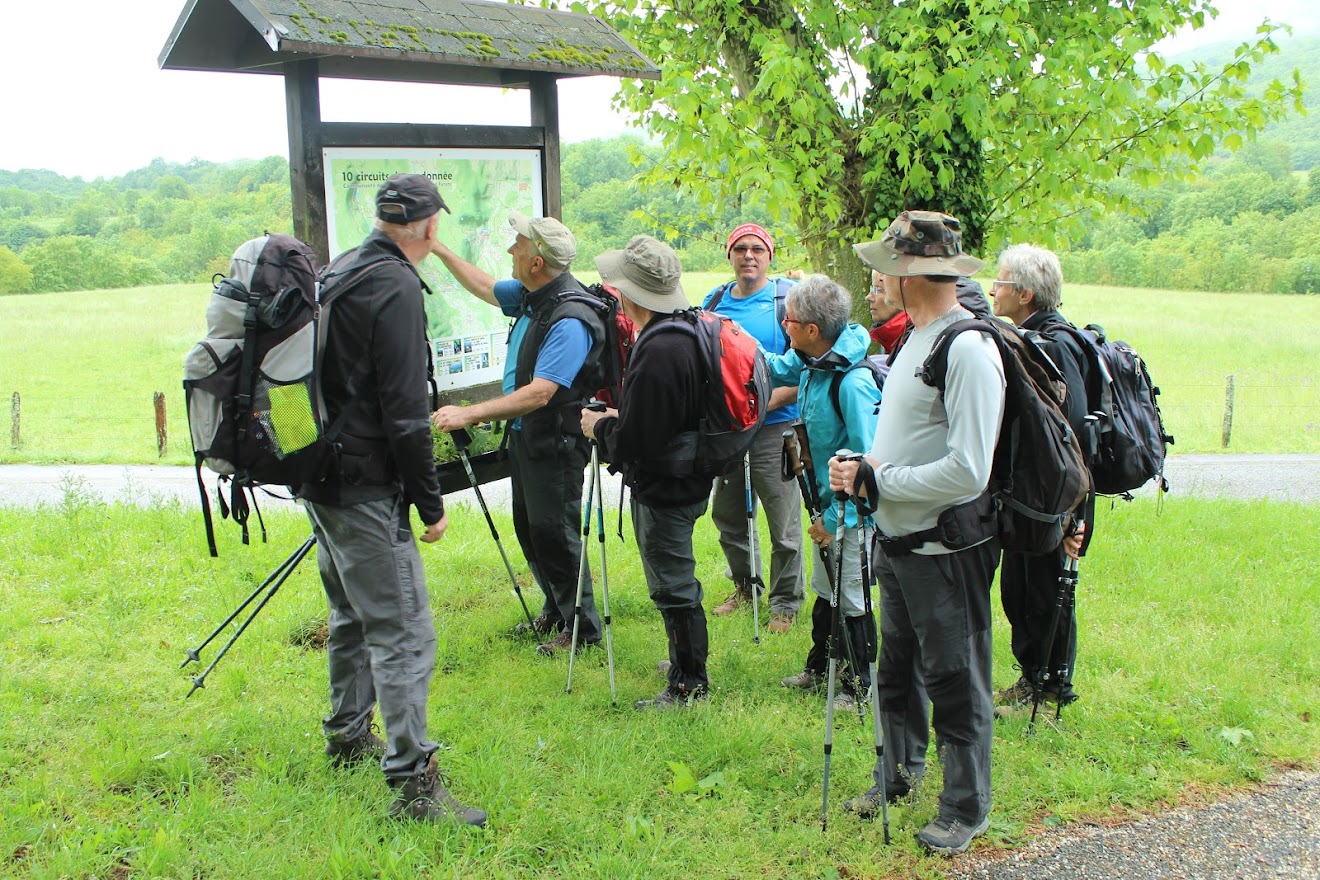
(1250, 223)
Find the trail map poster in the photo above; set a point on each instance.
(481, 187)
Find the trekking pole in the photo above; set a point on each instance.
(604, 573)
(1045, 673)
(874, 660)
(836, 614)
(849, 649)
(754, 551)
(584, 572)
(274, 581)
(797, 459)
(461, 441)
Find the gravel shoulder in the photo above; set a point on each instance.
(1269, 834)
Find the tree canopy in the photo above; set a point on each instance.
(1013, 115)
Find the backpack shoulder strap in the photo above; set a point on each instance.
(719, 295)
(935, 369)
(836, 381)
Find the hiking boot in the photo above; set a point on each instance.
(948, 837)
(741, 595)
(867, 806)
(780, 623)
(563, 642)
(671, 698)
(424, 799)
(348, 752)
(1048, 697)
(847, 701)
(542, 625)
(1016, 694)
(806, 680)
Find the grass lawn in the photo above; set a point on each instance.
(1198, 672)
(86, 365)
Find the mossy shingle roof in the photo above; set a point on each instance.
(452, 41)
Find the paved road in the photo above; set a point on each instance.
(1270, 834)
(1278, 477)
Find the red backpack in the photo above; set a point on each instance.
(737, 393)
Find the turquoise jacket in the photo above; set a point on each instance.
(859, 401)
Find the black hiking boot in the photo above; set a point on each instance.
(671, 698)
(867, 805)
(424, 799)
(948, 837)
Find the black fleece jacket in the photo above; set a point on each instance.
(663, 395)
(375, 363)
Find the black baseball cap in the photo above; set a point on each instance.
(408, 197)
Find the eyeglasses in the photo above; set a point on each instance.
(998, 283)
(754, 249)
(795, 321)
(877, 290)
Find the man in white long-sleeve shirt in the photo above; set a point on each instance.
(932, 453)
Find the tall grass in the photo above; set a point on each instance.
(87, 364)
(1197, 669)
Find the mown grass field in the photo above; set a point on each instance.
(86, 366)
(1197, 668)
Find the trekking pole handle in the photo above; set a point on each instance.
(791, 450)
(846, 455)
(596, 405)
(462, 439)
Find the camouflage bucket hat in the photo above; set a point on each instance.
(919, 243)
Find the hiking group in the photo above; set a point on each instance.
(755, 401)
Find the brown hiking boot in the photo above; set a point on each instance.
(562, 642)
(542, 625)
(424, 799)
(741, 595)
(806, 680)
(348, 752)
(780, 623)
(1016, 694)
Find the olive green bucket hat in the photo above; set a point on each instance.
(919, 243)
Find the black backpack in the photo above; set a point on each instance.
(737, 394)
(1128, 447)
(252, 386)
(1039, 474)
(878, 366)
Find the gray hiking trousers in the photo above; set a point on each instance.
(783, 514)
(382, 640)
(935, 610)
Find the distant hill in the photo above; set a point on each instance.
(1301, 133)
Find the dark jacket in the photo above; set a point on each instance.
(663, 396)
(558, 425)
(375, 363)
(1069, 358)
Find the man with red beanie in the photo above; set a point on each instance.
(757, 303)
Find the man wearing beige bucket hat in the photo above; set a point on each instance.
(551, 370)
(932, 453)
(663, 397)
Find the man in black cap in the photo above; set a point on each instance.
(663, 397)
(551, 370)
(381, 645)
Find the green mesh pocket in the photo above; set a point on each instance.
(292, 423)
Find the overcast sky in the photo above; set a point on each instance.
(94, 103)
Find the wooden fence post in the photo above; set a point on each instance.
(15, 410)
(162, 436)
(1228, 413)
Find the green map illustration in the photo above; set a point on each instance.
(481, 188)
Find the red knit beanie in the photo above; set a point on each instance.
(753, 230)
